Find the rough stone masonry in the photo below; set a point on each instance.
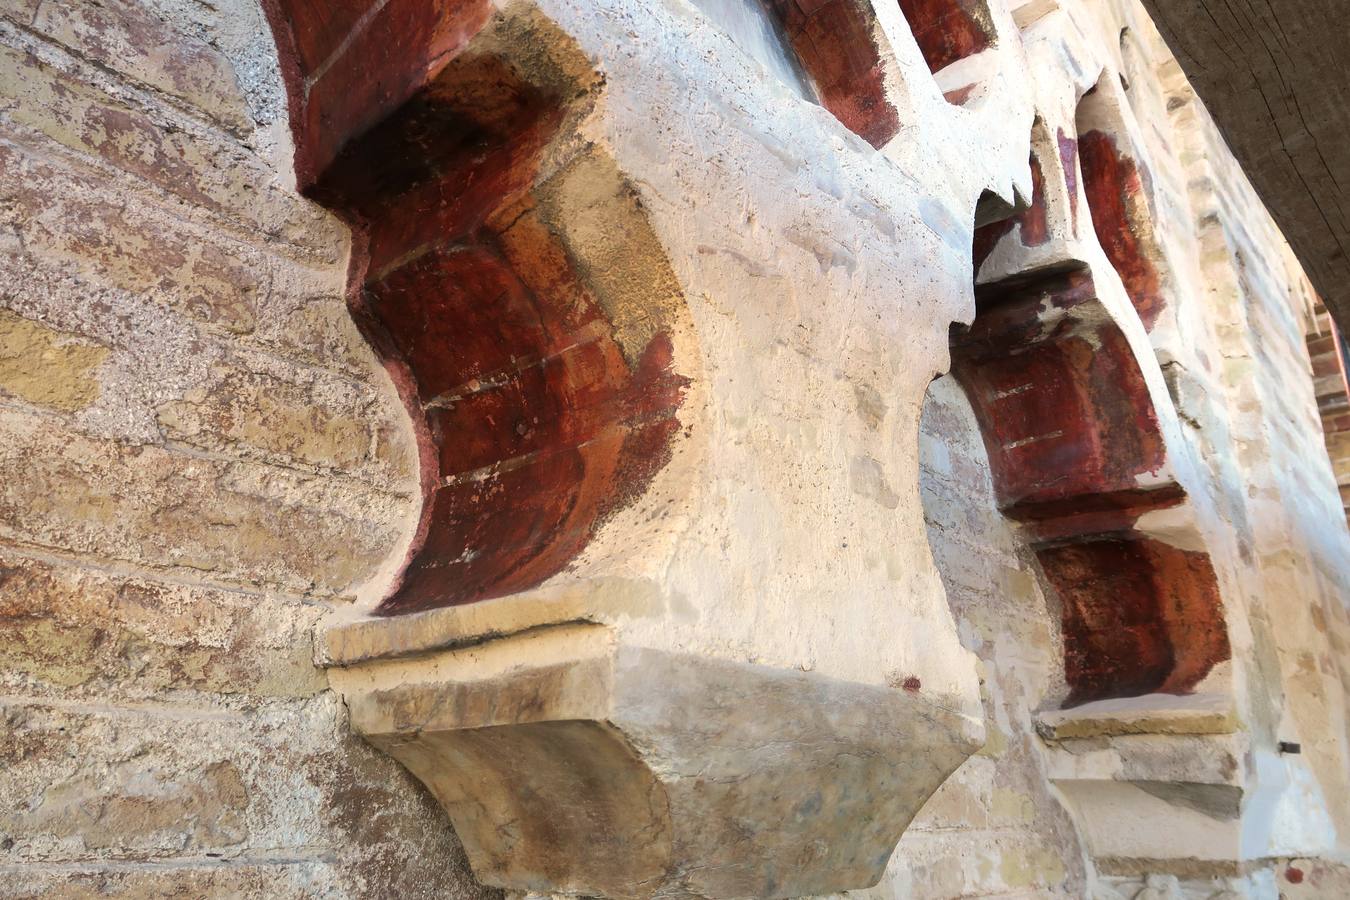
(654, 448)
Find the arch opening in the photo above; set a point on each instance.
(1078, 459)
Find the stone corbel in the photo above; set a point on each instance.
(615, 685)
(572, 762)
(1154, 780)
(1143, 734)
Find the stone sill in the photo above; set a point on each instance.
(1203, 713)
(358, 637)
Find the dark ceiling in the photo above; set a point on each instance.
(1275, 75)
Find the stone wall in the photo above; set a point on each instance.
(202, 464)
(199, 459)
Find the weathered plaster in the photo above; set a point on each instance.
(751, 672)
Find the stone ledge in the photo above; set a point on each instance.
(358, 637)
(1159, 777)
(1202, 713)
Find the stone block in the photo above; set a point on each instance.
(129, 39)
(234, 522)
(287, 880)
(65, 217)
(21, 11)
(222, 799)
(46, 367)
(979, 864)
(1173, 794)
(1197, 713)
(292, 415)
(572, 763)
(122, 792)
(91, 632)
(310, 322)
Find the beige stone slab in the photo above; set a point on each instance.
(353, 638)
(571, 763)
(1203, 713)
(255, 407)
(46, 367)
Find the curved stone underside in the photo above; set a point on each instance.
(508, 274)
(505, 273)
(1078, 457)
(602, 770)
(662, 284)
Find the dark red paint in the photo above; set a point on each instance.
(834, 41)
(348, 65)
(959, 96)
(912, 684)
(1063, 407)
(457, 153)
(948, 30)
(320, 26)
(533, 425)
(1114, 189)
(1138, 616)
(1293, 875)
(1035, 227)
(1069, 426)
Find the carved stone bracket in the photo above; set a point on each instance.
(1144, 733)
(571, 762)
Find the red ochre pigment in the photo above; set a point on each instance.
(1069, 427)
(534, 425)
(834, 41)
(948, 30)
(1113, 186)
